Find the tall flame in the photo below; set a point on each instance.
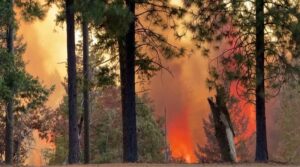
(248, 110)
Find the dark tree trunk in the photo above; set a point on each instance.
(127, 71)
(72, 101)
(86, 111)
(261, 134)
(9, 131)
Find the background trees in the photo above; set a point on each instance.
(286, 121)
(106, 129)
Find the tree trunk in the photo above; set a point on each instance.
(72, 101)
(9, 134)
(86, 110)
(261, 136)
(223, 129)
(127, 71)
(9, 131)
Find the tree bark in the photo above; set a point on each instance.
(224, 131)
(9, 131)
(127, 71)
(261, 134)
(86, 110)
(220, 131)
(72, 94)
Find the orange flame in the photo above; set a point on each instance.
(180, 138)
(248, 109)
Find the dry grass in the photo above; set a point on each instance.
(186, 165)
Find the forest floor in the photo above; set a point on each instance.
(187, 165)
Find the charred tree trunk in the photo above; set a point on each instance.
(72, 101)
(223, 128)
(9, 130)
(261, 134)
(86, 109)
(127, 71)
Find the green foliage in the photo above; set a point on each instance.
(232, 23)
(154, 18)
(16, 84)
(105, 76)
(26, 92)
(31, 9)
(109, 20)
(106, 129)
(150, 134)
(111, 16)
(5, 13)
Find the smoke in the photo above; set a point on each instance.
(46, 53)
(183, 94)
(45, 57)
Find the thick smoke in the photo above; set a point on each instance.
(45, 57)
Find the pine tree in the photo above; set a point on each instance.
(261, 134)
(132, 56)
(261, 47)
(72, 92)
(30, 11)
(127, 52)
(9, 105)
(116, 27)
(86, 110)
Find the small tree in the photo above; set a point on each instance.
(106, 129)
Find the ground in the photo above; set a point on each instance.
(186, 165)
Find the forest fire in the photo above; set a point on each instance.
(179, 96)
(251, 127)
(46, 61)
(180, 139)
(149, 82)
(247, 109)
(185, 110)
(184, 95)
